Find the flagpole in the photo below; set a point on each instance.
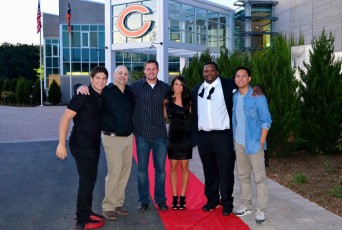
(40, 66)
(68, 17)
(39, 31)
(70, 81)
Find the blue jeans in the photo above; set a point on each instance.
(158, 147)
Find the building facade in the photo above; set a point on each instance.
(130, 32)
(257, 21)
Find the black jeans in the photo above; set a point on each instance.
(87, 161)
(218, 159)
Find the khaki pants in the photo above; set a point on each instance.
(119, 163)
(245, 165)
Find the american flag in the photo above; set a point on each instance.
(39, 15)
(68, 17)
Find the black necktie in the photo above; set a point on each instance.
(210, 92)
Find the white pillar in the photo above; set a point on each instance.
(109, 54)
(162, 36)
(183, 62)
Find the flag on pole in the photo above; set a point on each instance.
(39, 15)
(68, 17)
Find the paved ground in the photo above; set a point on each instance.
(38, 191)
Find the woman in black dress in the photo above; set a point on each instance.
(177, 111)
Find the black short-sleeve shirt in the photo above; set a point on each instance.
(86, 132)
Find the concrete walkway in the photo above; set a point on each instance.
(24, 129)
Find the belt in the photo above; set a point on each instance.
(114, 134)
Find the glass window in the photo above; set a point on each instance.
(212, 28)
(66, 56)
(85, 55)
(65, 38)
(84, 27)
(201, 13)
(55, 50)
(76, 54)
(48, 62)
(223, 19)
(212, 41)
(93, 39)
(174, 24)
(48, 50)
(55, 62)
(85, 39)
(76, 39)
(93, 28)
(127, 57)
(201, 39)
(174, 6)
(93, 55)
(76, 67)
(213, 16)
(201, 26)
(85, 68)
(188, 10)
(119, 56)
(101, 39)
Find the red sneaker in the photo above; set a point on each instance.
(90, 224)
(97, 217)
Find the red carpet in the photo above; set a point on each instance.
(193, 217)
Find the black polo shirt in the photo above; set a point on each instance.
(118, 107)
(86, 132)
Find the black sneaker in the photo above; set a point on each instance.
(143, 207)
(162, 206)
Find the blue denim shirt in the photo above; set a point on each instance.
(257, 117)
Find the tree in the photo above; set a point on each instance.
(55, 94)
(227, 64)
(18, 60)
(23, 91)
(271, 68)
(194, 72)
(322, 96)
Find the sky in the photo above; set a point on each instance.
(18, 23)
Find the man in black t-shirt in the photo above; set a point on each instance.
(84, 144)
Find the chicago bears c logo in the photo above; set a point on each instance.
(122, 21)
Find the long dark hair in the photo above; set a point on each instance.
(186, 94)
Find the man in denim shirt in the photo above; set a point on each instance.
(251, 122)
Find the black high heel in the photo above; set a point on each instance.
(174, 202)
(182, 203)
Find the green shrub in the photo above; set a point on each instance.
(336, 191)
(299, 178)
(11, 98)
(36, 93)
(6, 85)
(23, 90)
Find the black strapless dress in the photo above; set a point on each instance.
(178, 144)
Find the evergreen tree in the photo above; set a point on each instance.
(321, 91)
(227, 64)
(55, 94)
(271, 69)
(22, 91)
(194, 72)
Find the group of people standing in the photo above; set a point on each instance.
(213, 117)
